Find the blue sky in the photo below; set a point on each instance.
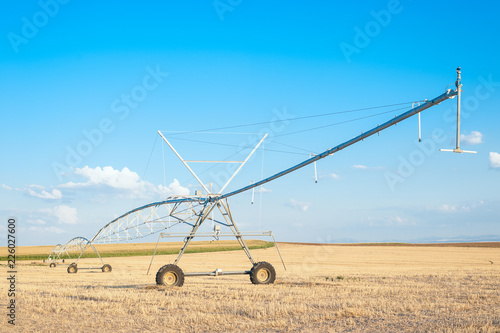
(85, 87)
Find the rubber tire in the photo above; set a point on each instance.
(172, 271)
(52, 265)
(106, 268)
(72, 269)
(262, 273)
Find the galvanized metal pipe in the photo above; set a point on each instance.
(447, 95)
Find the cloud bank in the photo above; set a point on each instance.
(64, 214)
(125, 181)
(303, 206)
(494, 160)
(474, 138)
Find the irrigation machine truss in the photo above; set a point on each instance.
(196, 209)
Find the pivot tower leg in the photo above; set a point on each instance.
(204, 213)
(226, 213)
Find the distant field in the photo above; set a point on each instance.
(471, 244)
(139, 249)
(344, 288)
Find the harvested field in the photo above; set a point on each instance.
(325, 288)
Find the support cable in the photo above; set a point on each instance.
(285, 134)
(231, 145)
(260, 198)
(341, 122)
(435, 101)
(164, 173)
(149, 159)
(297, 118)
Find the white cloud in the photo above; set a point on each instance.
(303, 206)
(454, 208)
(364, 167)
(390, 221)
(359, 166)
(32, 190)
(173, 188)
(459, 207)
(126, 181)
(54, 194)
(494, 160)
(64, 214)
(262, 189)
(40, 187)
(474, 138)
(331, 175)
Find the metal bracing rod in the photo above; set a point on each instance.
(83, 248)
(137, 218)
(277, 249)
(176, 205)
(458, 84)
(448, 94)
(193, 210)
(154, 253)
(242, 164)
(95, 250)
(201, 218)
(183, 162)
(81, 253)
(229, 220)
(55, 250)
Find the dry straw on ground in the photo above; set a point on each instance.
(325, 288)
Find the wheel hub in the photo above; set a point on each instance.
(170, 278)
(263, 275)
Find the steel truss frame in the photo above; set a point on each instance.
(142, 222)
(74, 245)
(81, 244)
(213, 202)
(159, 216)
(222, 206)
(55, 255)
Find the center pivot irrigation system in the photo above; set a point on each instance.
(74, 245)
(194, 210)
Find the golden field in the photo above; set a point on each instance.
(325, 288)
